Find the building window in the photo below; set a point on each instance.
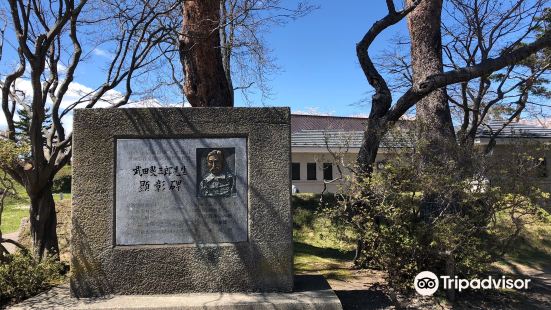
(295, 171)
(328, 171)
(311, 171)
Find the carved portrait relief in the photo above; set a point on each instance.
(218, 179)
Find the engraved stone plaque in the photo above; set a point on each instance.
(178, 200)
(173, 191)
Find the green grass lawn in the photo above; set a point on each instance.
(533, 248)
(66, 196)
(320, 246)
(12, 215)
(16, 207)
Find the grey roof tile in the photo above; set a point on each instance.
(513, 130)
(343, 139)
(319, 122)
(343, 132)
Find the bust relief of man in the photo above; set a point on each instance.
(220, 181)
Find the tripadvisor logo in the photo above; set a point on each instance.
(426, 283)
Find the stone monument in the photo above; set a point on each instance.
(179, 200)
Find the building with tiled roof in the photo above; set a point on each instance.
(315, 140)
(513, 130)
(301, 122)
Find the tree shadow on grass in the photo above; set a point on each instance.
(527, 254)
(331, 263)
(327, 253)
(310, 201)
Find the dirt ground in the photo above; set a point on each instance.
(367, 289)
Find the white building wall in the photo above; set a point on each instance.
(305, 156)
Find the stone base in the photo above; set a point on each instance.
(311, 292)
(261, 262)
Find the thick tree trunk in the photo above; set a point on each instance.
(376, 128)
(43, 222)
(226, 46)
(205, 82)
(370, 146)
(437, 143)
(433, 112)
(450, 271)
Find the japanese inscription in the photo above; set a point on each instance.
(171, 191)
(145, 175)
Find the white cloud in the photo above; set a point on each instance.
(68, 123)
(76, 91)
(408, 117)
(153, 103)
(61, 67)
(103, 53)
(146, 103)
(362, 115)
(313, 111)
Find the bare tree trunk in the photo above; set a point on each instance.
(450, 271)
(428, 93)
(433, 112)
(43, 222)
(433, 120)
(358, 252)
(370, 146)
(226, 46)
(205, 83)
(436, 134)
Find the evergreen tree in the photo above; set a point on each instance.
(23, 126)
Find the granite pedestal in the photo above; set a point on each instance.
(311, 292)
(153, 213)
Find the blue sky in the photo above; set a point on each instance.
(317, 56)
(319, 71)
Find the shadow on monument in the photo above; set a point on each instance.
(264, 263)
(96, 282)
(257, 252)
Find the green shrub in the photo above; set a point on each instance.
(302, 218)
(62, 180)
(456, 218)
(21, 276)
(311, 201)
